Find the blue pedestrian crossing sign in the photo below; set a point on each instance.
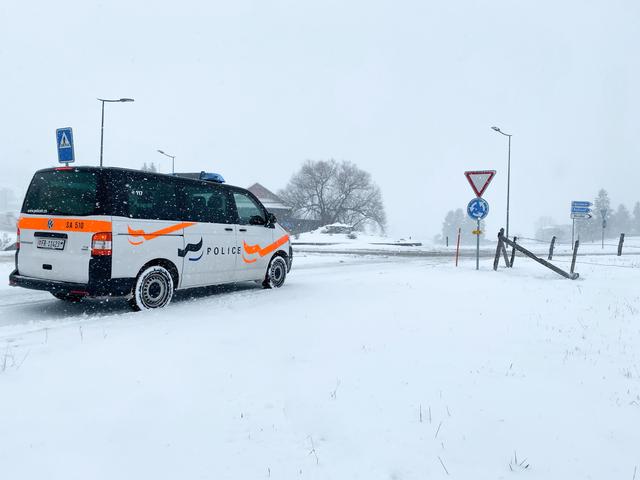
(478, 208)
(64, 141)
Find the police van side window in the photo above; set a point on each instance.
(149, 197)
(249, 212)
(206, 203)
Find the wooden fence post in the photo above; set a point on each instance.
(575, 254)
(513, 252)
(505, 254)
(553, 244)
(620, 243)
(502, 240)
(499, 248)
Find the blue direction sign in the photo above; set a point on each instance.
(478, 208)
(581, 209)
(64, 141)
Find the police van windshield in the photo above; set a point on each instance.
(63, 192)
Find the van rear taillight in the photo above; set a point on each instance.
(18, 239)
(101, 244)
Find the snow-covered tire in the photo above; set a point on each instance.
(276, 273)
(153, 288)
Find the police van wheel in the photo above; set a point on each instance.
(153, 289)
(276, 273)
(67, 297)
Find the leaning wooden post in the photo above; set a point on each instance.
(532, 256)
(620, 243)
(496, 260)
(513, 252)
(553, 244)
(505, 254)
(575, 254)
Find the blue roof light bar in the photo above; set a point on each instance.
(211, 177)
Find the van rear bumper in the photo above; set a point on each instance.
(116, 287)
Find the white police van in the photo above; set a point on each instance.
(93, 232)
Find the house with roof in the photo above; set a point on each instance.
(270, 200)
(282, 211)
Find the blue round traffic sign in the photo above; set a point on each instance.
(478, 208)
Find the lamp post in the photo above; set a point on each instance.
(508, 173)
(173, 161)
(103, 100)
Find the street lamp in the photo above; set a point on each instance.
(508, 173)
(173, 159)
(103, 100)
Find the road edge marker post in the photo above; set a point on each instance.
(458, 246)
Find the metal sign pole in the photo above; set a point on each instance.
(478, 208)
(604, 224)
(579, 209)
(478, 246)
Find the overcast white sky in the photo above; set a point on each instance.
(406, 90)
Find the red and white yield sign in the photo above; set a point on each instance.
(480, 180)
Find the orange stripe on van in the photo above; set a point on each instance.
(253, 249)
(64, 224)
(157, 233)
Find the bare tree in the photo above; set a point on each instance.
(331, 192)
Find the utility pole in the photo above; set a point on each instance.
(102, 122)
(508, 172)
(173, 158)
(603, 212)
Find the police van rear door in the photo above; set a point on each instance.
(60, 215)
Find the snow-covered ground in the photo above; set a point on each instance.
(360, 367)
(316, 242)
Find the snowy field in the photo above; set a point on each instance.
(360, 367)
(316, 242)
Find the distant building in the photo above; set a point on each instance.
(271, 201)
(283, 212)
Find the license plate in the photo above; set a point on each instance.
(51, 243)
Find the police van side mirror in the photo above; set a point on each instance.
(271, 220)
(256, 220)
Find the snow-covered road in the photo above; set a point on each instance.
(360, 367)
(31, 308)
